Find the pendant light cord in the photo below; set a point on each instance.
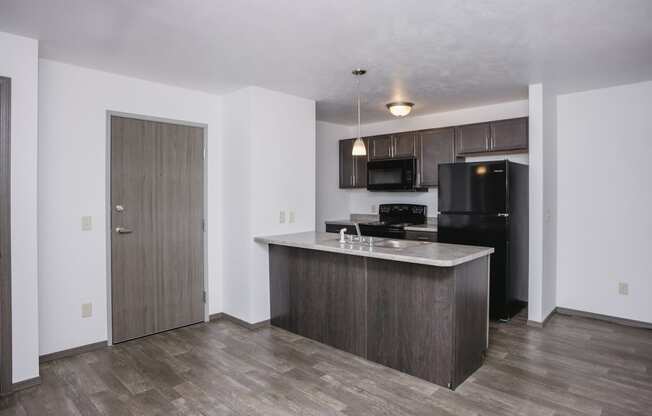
(358, 88)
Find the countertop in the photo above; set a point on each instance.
(431, 254)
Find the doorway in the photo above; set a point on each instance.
(156, 226)
(5, 238)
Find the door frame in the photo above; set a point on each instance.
(6, 375)
(108, 211)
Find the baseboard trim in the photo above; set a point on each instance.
(25, 384)
(536, 324)
(607, 318)
(221, 315)
(72, 351)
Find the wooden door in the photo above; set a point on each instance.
(157, 204)
(6, 385)
(381, 147)
(347, 164)
(405, 145)
(473, 138)
(509, 134)
(436, 146)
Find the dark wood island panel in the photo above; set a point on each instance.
(430, 322)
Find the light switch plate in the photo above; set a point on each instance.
(86, 310)
(292, 217)
(623, 288)
(281, 217)
(86, 223)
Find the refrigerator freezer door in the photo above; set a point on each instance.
(479, 187)
(486, 231)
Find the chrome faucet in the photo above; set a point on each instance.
(342, 231)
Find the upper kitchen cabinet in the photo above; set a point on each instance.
(380, 147)
(360, 167)
(405, 145)
(435, 147)
(473, 138)
(509, 134)
(496, 136)
(353, 169)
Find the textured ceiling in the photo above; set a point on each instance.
(440, 54)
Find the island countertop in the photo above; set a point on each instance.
(431, 254)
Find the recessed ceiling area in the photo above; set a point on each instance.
(439, 54)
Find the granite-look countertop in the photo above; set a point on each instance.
(431, 254)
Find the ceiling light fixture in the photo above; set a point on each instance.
(359, 148)
(400, 108)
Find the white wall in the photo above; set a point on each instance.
(331, 199)
(274, 137)
(20, 63)
(332, 202)
(549, 246)
(604, 200)
(73, 102)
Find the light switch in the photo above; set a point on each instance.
(281, 217)
(86, 223)
(623, 288)
(291, 217)
(87, 310)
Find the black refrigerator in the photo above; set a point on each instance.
(486, 204)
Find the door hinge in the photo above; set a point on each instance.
(204, 296)
(203, 225)
(203, 153)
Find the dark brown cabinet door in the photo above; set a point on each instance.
(381, 147)
(360, 174)
(319, 295)
(409, 318)
(436, 146)
(509, 134)
(473, 138)
(347, 164)
(405, 145)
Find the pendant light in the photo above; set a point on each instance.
(359, 149)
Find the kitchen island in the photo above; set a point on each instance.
(418, 307)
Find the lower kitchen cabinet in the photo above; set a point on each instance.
(317, 294)
(420, 235)
(409, 324)
(427, 321)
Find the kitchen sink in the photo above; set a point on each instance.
(398, 243)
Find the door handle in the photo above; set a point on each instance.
(121, 230)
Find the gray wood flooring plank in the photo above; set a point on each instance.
(573, 366)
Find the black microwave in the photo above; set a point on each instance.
(393, 175)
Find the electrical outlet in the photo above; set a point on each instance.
(373, 209)
(623, 288)
(292, 217)
(281, 217)
(86, 310)
(86, 223)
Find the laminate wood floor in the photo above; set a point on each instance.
(574, 366)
